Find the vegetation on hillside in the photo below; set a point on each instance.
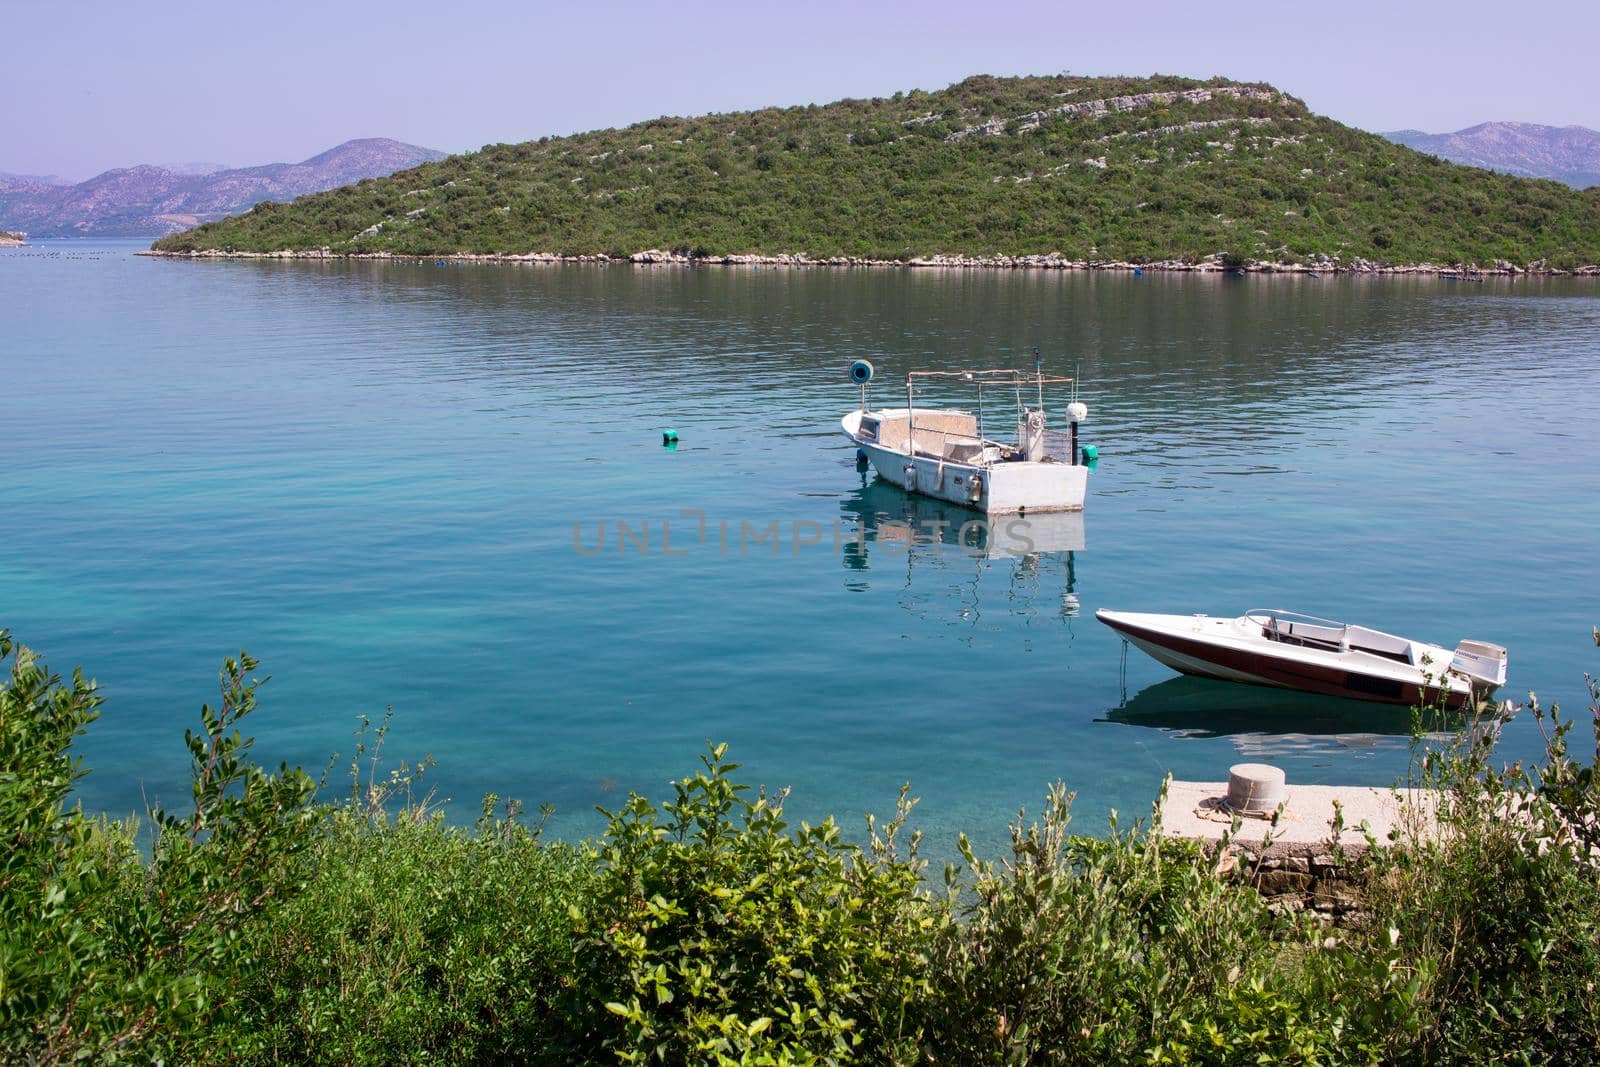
(1091, 168)
(264, 926)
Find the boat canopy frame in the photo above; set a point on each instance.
(993, 376)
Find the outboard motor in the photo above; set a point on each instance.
(1482, 662)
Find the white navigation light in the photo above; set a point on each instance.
(1077, 411)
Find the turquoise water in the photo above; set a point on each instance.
(387, 481)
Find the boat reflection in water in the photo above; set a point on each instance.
(1268, 722)
(960, 563)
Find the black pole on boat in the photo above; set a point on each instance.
(1075, 411)
(911, 418)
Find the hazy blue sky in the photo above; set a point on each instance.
(85, 86)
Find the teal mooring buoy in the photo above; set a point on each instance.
(669, 437)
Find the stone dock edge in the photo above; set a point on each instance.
(1310, 858)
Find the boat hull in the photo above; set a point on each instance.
(1222, 649)
(995, 488)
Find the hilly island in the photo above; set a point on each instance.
(1152, 170)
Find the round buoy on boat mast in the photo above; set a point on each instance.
(861, 374)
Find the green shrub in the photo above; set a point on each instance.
(106, 956)
(718, 934)
(1131, 948)
(416, 941)
(1497, 910)
(262, 928)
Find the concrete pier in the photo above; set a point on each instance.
(1195, 810)
(1299, 864)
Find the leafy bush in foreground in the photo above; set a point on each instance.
(719, 932)
(1498, 913)
(1132, 948)
(102, 952)
(413, 940)
(266, 928)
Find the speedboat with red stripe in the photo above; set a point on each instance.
(1289, 650)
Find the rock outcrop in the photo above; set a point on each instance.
(656, 257)
(1094, 108)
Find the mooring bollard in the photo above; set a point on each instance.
(1255, 788)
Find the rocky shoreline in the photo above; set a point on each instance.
(1050, 261)
(12, 240)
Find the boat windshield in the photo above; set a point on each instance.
(1311, 631)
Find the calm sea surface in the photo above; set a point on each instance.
(389, 482)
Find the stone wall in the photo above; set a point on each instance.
(1323, 882)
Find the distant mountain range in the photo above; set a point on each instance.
(1569, 154)
(149, 201)
(43, 179)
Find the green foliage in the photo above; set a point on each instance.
(1132, 948)
(718, 934)
(263, 928)
(415, 941)
(1257, 177)
(1497, 914)
(241, 842)
(53, 874)
(106, 956)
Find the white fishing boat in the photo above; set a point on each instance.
(945, 453)
(1293, 651)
